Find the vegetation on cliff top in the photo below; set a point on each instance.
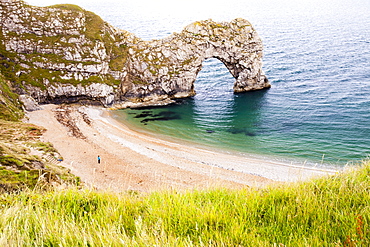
(72, 7)
(331, 211)
(35, 66)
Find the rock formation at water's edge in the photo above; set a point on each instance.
(64, 53)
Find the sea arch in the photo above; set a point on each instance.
(168, 68)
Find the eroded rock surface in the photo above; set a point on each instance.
(65, 53)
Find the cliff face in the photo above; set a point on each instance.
(65, 53)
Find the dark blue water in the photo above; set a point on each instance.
(317, 58)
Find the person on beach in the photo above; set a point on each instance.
(98, 159)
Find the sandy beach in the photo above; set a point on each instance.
(134, 161)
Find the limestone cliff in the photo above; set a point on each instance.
(65, 53)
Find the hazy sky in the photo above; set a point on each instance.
(204, 7)
(51, 2)
(182, 6)
(178, 7)
(258, 12)
(146, 3)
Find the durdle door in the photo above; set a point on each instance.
(64, 53)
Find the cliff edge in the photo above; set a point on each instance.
(64, 53)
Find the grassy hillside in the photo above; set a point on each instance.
(10, 109)
(333, 211)
(22, 154)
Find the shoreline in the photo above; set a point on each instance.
(135, 161)
(184, 144)
(300, 164)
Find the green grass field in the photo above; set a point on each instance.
(331, 211)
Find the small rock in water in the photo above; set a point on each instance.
(143, 115)
(250, 134)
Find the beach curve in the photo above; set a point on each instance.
(134, 161)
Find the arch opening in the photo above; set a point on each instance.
(213, 79)
(214, 98)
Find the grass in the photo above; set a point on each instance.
(71, 7)
(17, 180)
(10, 108)
(19, 169)
(95, 26)
(332, 211)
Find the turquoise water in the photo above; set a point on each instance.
(316, 56)
(305, 125)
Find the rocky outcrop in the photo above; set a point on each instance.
(29, 103)
(65, 53)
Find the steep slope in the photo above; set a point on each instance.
(10, 108)
(25, 161)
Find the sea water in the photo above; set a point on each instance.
(316, 56)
